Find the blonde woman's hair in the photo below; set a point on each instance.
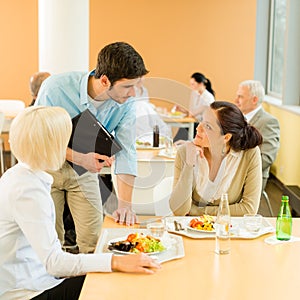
(39, 137)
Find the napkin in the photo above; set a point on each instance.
(272, 240)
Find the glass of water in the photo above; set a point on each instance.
(252, 222)
(157, 228)
(168, 141)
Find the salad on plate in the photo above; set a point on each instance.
(202, 223)
(136, 243)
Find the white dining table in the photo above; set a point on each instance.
(186, 122)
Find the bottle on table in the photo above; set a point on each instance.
(284, 221)
(222, 227)
(156, 136)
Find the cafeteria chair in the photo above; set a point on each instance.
(161, 196)
(266, 197)
(147, 199)
(153, 201)
(1, 142)
(10, 108)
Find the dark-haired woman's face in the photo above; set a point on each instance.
(208, 131)
(196, 86)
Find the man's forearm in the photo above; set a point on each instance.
(74, 157)
(125, 184)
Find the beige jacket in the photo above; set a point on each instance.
(243, 193)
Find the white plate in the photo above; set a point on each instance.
(237, 230)
(164, 154)
(200, 230)
(150, 147)
(171, 116)
(175, 248)
(124, 252)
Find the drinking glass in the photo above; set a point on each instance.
(169, 147)
(157, 228)
(252, 222)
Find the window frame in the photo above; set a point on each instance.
(290, 99)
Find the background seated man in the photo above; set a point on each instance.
(35, 83)
(250, 95)
(147, 117)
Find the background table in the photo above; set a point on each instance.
(182, 123)
(253, 270)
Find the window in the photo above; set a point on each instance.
(276, 48)
(277, 53)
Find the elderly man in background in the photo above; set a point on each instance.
(250, 95)
(35, 83)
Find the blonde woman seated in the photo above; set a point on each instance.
(33, 265)
(224, 157)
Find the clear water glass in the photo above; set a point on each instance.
(252, 222)
(157, 228)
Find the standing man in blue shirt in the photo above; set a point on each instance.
(106, 92)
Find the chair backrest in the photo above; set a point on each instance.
(161, 196)
(11, 107)
(1, 121)
(150, 199)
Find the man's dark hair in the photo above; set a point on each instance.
(119, 60)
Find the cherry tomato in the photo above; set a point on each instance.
(139, 247)
(131, 237)
(193, 221)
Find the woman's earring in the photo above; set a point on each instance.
(223, 150)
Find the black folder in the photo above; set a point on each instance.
(89, 135)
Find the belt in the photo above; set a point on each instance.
(199, 204)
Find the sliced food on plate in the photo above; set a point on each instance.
(202, 223)
(136, 243)
(143, 144)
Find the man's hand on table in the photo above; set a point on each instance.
(125, 215)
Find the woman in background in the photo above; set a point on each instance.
(32, 263)
(224, 157)
(202, 95)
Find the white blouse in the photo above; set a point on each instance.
(197, 102)
(31, 258)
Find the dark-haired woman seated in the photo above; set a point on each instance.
(224, 157)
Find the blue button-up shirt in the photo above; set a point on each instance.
(69, 90)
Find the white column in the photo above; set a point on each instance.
(63, 35)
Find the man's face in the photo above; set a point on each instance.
(244, 101)
(122, 90)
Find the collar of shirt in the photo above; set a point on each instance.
(251, 114)
(47, 178)
(84, 88)
(85, 98)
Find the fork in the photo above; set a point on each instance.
(178, 226)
